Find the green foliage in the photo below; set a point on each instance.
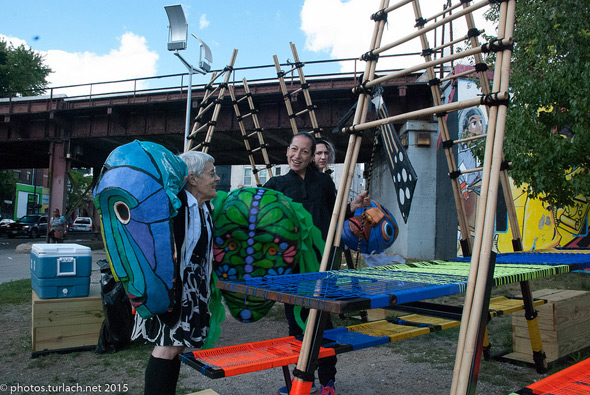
(7, 185)
(551, 72)
(22, 72)
(78, 189)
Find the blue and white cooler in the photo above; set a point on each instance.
(60, 270)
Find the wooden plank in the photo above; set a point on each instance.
(60, 312)
(563, 309)
(67, 336)
(564, 324)
(208, 391)
(67, 322)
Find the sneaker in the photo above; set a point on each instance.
(329, 389)
(283, 390)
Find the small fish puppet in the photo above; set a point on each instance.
(379, 229)
(260, 232)
(136, 199)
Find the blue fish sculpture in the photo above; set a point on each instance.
(377, 231)
(136, 199)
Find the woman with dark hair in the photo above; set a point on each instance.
(316, 191)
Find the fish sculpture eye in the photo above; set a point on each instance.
(122, 212)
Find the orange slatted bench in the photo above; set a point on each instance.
(250, 357)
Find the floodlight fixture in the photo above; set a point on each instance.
(205, 52)
(177, 41)
(178, 28)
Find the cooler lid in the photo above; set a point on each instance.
(60, 249)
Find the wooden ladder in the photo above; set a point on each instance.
(304, 88)
(253, 145)
(203, 125)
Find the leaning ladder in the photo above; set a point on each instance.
(248, 135)
(202, 125)
(304, 88)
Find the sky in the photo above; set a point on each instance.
(89, 41)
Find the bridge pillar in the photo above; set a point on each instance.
(59, 167)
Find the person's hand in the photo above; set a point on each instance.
(362, 200)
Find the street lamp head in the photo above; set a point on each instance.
(206, 57)
(178, 28)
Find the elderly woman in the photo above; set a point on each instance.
(187, 324)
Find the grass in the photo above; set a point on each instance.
(436, 349)
(15, 292)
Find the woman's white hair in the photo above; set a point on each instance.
(196, 161)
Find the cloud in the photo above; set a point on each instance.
(14, 41)
(343, 29)
(132, 59)
(203, 22)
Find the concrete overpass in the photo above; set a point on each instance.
(85, 129)
(64, 132)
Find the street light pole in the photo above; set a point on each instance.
(187, 123)
(177, 41)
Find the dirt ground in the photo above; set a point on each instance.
(414, 366)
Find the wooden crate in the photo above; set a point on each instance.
(66, 323)
(564, 324)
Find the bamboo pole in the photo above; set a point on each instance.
(443, 108)
(243, 131)
(197, 127)
(461, 380)
(258, 129)
(350, 161)
(442, 125)
(436, 62)
(428, 28)
(286, 97)
(306, 95)
(473, 272)
(217, 108)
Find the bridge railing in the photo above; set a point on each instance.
(179, 82)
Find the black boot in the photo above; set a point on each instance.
(161, 376)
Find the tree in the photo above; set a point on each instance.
(7, 185)
(78, 190)
(548, 124)
(22, 72)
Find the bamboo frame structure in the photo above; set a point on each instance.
(199, 125)
(304, 88)
(261, 146)
(467, 362)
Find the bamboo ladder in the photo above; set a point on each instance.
(206, 105)
(304, 88)
(257, 132)
(467, 362)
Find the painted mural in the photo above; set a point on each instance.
(540, 226)
(544, 227)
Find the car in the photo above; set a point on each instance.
(32, 225)
(81, 224)
(3, 224)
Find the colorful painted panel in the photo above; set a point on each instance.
(136, 199)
